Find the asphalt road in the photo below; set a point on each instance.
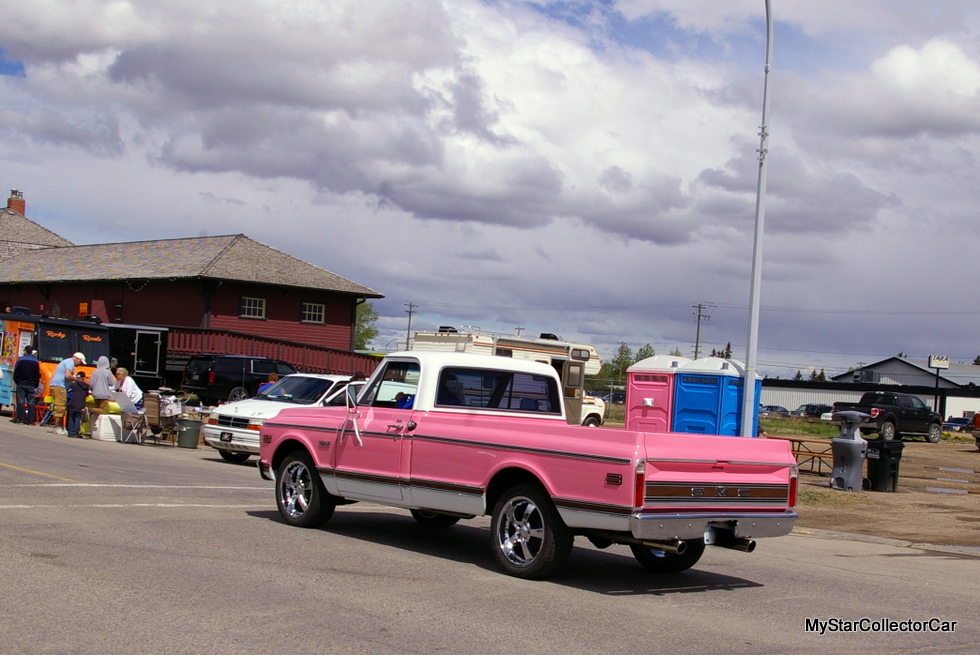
(109, 548)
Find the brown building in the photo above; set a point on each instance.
(229, 283)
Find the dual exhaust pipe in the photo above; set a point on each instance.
(723, 539)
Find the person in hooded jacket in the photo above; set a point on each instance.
(102, 383)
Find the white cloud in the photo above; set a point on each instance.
(526, 164)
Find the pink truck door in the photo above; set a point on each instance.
(369, 459)
(369, 463)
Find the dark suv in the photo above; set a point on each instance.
(216, 378)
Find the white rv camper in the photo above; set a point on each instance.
(573, 361)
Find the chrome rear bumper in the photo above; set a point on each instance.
(666, 527)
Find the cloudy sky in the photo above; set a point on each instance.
(582, 168)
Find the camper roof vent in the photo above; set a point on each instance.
(447, 328)
(548, 335)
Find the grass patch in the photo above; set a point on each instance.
(831, 498)
(799, 427)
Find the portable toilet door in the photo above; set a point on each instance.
(650, 393)
(731, 402)
(699, 389)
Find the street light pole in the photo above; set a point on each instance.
(749, 401)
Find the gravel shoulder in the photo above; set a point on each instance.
(936, 503)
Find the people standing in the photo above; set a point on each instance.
(27, 377)
(129, 387)
(101, 384)
(76, 404)
(64, 373)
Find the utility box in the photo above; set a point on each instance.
(650, 393)
(708, 395)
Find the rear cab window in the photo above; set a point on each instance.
(500, 390)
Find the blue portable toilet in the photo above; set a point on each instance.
(650, 393)
(708, 397)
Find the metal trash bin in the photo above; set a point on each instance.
(188, 432)
(883, 460)
(849, 451)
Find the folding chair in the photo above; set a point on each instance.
(133, 427)
(133, 423)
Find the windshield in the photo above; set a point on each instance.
(297, 389)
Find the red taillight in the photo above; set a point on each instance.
(875, 411)
(640, 490)
(794, 478)
(211, 377)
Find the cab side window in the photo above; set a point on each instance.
(395, 387)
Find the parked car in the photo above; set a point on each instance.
(219, 378)
(614, 398)
(959, 424)
(233, 429)
(772, 410)
(812, 410)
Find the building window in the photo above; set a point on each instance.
(252, 307)
(313, 312)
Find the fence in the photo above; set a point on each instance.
(184, 342)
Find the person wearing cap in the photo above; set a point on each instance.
(64, 373)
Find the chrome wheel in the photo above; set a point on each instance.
(520, 534)
(238, 393)
(300, 494)
(887, 431)
(935, 433)
(529, 537)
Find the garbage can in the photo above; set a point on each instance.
(188, 432)
(883, 459)
(849, 450)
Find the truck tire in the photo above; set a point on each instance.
(591, 422)
(935, 433)
(434, 519)
(887, 431)
(300, 495)
(238, 393)
(528, 536)
(659, 561)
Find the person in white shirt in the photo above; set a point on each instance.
(129, 387)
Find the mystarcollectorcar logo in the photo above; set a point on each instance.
(823, 626)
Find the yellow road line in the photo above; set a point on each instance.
(46, 475)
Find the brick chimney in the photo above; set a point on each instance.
(16, 202)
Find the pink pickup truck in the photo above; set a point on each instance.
(451, 436)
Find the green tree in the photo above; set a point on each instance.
(976, 360)
(822, 377)
(798, 376)
(615, 368)
(364, 330)
(644, 352)
(676, 352)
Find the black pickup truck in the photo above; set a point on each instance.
(895, 415)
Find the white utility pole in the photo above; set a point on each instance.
(750, 402)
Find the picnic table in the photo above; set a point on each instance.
(813, 453)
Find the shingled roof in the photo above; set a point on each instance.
(18, 233)
(228, 257)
